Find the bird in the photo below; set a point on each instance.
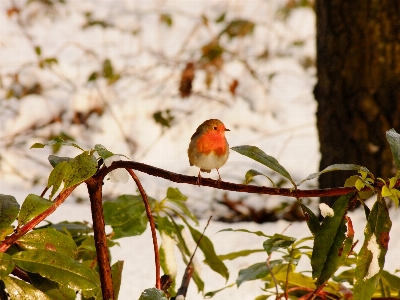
(208, 148)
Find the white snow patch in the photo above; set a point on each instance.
(373, 268)
(326, 210)
(118, 175)
(168, 246)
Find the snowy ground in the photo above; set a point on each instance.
(275, 111)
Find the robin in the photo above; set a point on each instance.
(208, 148)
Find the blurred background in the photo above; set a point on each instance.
(311, 83)
(139, 76)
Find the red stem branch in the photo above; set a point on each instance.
(94, 186)
(152, 226)
(35, 221)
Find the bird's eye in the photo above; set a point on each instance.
(215, 127)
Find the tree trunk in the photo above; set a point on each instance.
(358, 89)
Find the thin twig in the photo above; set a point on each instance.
(198, 242)
(272, 275)
(189, 269)
(317, 291)
(152, 226)
(44, 192)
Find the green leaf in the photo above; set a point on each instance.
(277, 241)
(263, 158)
(212, 52)
(175, 196)
(47, 62)
(165, 225)
(295, 279)
(56, 141)
(166, 19)
(59, 268)
(371, 258)
(54, 159)
(32, 207)
(239, 28)
(74, 228)
(153, 294)
(211, 294)
(250, 174)
(394, 141)
(126, 215)
(338, 167)
(6, 264)
(164, 118)
(82, 167)
(93, 76)
(330, 236)
(259, 233)
(88, 244)
(72, 172)
(48, 239)
(38, 145)
(385, 191)
(339, 251)
(256, 271)
(51, 288)
(211, 258)
(359, 185)
(116, 270)
(19, 289)
(221, 18)
(234, 255)
(311, 219)
(102, 151)
(6, 231)
(392, 181)
(390, 282)
(57, 176)
(9, 209)
(38, 50)
(108, 70)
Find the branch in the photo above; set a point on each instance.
(94, 186)
(152, 226)
(223, 185)
(35, 221)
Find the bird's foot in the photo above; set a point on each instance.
(198, 181)
(219, 179)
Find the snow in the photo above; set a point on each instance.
(274, 110)
(118, 175)
(373, 267)
(326, 210)
(168, 246)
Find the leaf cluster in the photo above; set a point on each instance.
(56, 261)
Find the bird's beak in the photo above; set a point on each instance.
(226, 129)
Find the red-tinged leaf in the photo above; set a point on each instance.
(371, 258)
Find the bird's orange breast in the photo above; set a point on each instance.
(212, 142)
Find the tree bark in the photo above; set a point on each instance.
(358, 89)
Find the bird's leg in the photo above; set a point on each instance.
(198, 181)
(219, 179)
